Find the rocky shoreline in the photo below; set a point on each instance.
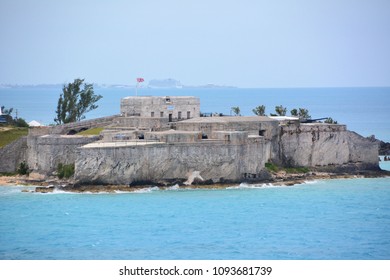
(47, 185)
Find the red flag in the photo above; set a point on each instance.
(140, 80)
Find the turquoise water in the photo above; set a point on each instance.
(364, 110)
(330, 219)
(333, 219)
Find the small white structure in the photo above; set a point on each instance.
(34, 124)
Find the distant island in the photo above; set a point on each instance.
(172, 83)
(168, 83)
(165, 83)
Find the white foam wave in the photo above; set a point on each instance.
(173, 188)
(256, 186)
(146, 190)
(313, 182)
(248, 186)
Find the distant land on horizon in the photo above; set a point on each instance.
(154, 83)
(169, 84)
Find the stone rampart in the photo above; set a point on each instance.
(215, 161)
(46, 152)
(262, 126)
(146, 123)
(12, 155)
(72, 128)
(174, 136)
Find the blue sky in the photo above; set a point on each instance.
(246, 43)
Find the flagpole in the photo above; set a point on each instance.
(139, 80)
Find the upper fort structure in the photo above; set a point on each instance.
(172, 108)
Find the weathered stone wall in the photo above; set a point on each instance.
(256, 125)
(233, 137)
(12, 155)
(318, 145)
(46, 152)
(263, 126)
(174, 136)
(180, 107)
(215, 160)
(146, 123)
(82, 125)
(119, 135)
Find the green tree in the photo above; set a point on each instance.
(294, 112)
(19, 122)
(280, 110)
(330, 121)
(75, 102)
(236, 111)
(302, 113)
(259, 110)
(5, 111)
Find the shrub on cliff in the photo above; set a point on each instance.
(23, 169)
(65, 170)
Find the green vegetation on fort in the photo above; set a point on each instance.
(10, 134)
(236, 110)
(91, 131)
(291, 170)
(23, 168)
(65, 170)
(280, 110)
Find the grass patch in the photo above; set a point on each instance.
(297, 170)
(271, 167)
(91, 131)
(65, 170)
(10, 135)
(274, 168)
(8, 174)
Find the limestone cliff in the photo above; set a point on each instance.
(320, 145)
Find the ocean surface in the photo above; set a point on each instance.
(364, 110)
(330, 219)
(325, 219)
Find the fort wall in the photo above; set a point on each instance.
(215, 161)
(44, 153)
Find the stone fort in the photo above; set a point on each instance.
(163, 140)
